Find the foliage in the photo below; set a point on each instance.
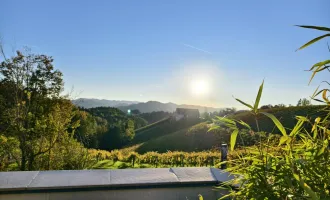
(286, 115)
(155, 159)
(297, 167)
(87, 132)
(8, 151)
(37, 116)
(155, 116)
(293, 170)
(269, 106)
(106, 128)
(139, 122)
(304, 102)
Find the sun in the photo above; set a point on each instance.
(200, 87)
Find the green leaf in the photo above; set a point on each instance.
(319, 68)
(233, 137)
(324, 95)
(323, 68)
(298, 126)
(226, 120)
(243, 124)
(306, 187)
(320, 28)
(283, 140)
(325, 145)
(276, 122)
(214, 127)
(256, 104)
(313, 41)
(320, 64)
(242, 102)
(314, 94)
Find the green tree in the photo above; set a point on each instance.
(135, 112)
(38, 117)
(86, 133)
(304, 102)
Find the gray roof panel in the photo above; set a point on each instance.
(16, 180)
(34, 180)
(142, 176)
(194, 174)
(70, 178)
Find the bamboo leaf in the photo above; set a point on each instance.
(323, 68)
(314, 94)
(243, 124)
(233, 137)
(276, 122)
(306, 187)
(283, 140)
(319, 100)
(298, 126)
(324, 95)
(325, 145)
(320, 64)
(314, 72)
(242, 102)
(213, 128)
(313, 41)
(320, 28)
(256, 104)
(226, 120)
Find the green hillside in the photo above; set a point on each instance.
(190, 139)
(171, 136)
(149, 126)
(161, 128)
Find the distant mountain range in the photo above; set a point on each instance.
(146, 107)
(92, 103)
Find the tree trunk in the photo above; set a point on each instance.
(31, 160)
(23, 159)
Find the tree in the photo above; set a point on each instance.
(227, 111)
(86, 133)
(114, 128)
(304, 102)
(139, 122)
(38, 117)
(135, 112)
(269, 106)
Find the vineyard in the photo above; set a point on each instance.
(154, 159)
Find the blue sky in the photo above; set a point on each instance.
(156, 50)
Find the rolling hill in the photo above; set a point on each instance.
(92, 103)
(152, 106)
(162, 137)
(161, 128)
(143, 107)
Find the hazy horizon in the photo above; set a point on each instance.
(195, 53)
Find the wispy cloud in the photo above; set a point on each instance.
(196, 48)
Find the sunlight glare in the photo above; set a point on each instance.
(200, 87)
